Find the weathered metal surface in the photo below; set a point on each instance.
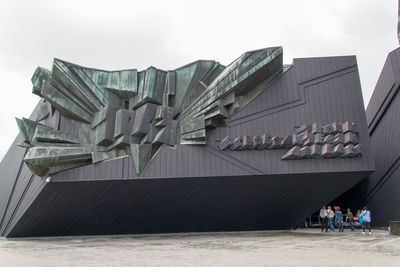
(142, 110)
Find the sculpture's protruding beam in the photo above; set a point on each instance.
(238, 79)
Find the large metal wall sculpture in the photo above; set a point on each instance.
(255, 145)
(134, 112)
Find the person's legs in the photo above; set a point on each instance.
(351, 224)
(331, 224)
(340, 225)
(368, 225)
(326, 224)
(363, 227)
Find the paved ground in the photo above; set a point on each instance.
(295, 248)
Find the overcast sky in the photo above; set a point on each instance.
(167, 34)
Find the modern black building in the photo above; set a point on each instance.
(255, 145)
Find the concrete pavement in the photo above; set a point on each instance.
(295, 248)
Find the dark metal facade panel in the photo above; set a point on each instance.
(282, 92)
(10, 168)
(335, 96)
(67, 126)
(384, 200)
(36, 184)
(179, 205)
(184, 161)
(380, 191)
(311, 68)
(386, 83)
(386, 142)
(22, 183)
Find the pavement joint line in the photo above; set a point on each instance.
(161, 235)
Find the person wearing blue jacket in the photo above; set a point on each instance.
(339, 218)
(366, 215)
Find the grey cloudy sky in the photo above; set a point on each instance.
(167, 34)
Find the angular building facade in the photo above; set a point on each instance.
(255, 145)
(380, 192)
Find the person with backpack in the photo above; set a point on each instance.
(366, 214)
(339, 218)
(323, 213)
(331, 216)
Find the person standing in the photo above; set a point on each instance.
(323, 213)
(360, 219)
(339, 218)
(331, 216)
(366, 214)
(349, 219)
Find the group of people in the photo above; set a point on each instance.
(329, 216)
